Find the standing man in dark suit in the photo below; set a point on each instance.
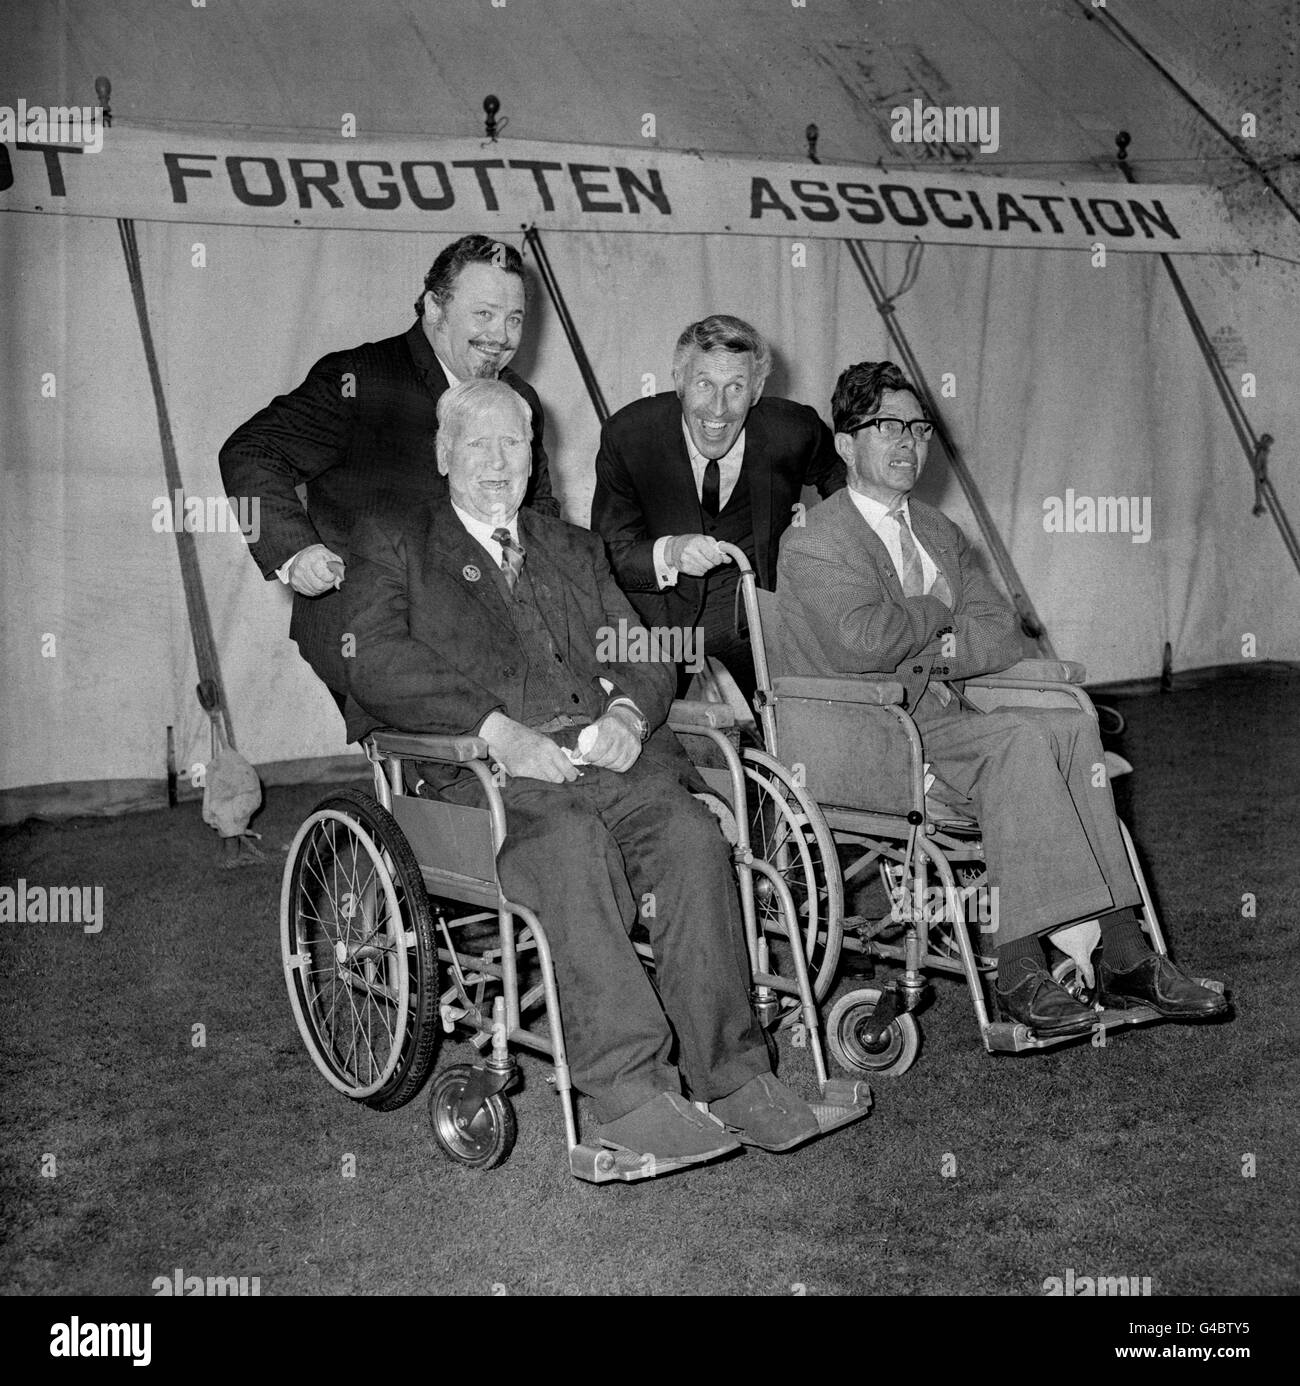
(713, 462)
(473, 618)
(359, 432)
(880, 583)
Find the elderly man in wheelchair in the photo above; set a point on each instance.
(472, 618)
(876, 583)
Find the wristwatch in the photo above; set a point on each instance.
(642, 722)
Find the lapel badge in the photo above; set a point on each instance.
(470, 573)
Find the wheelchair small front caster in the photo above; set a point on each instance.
(860, 1046)
(481, 1141)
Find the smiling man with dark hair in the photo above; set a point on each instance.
(359, 434)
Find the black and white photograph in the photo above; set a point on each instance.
(650, 648)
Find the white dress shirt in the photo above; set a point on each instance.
(728, 474)
(886, 529)
(481, 532)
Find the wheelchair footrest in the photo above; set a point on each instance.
(843, 1100)
(1007, 1037)
(598, 1165)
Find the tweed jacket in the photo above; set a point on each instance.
(842, 610)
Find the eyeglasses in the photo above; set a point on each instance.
(920, 429)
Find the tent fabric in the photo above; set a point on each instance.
(1067, 377)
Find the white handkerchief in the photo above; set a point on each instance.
(587, 739)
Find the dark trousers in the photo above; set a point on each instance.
(1036, 778)
(590, 858)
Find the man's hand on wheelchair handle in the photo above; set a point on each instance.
(618, 741)
(524, 753)
(315, 570)
(694, 554)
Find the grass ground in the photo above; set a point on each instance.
(1170, 1153)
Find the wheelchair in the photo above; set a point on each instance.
(831, 820)
(382, 896)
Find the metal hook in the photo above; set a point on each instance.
(103, 90)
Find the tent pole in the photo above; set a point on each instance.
(211, 693)
(1254, 446)
(533, 239)
(1029, 621)
(1108, 21)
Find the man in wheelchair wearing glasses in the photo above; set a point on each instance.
(877, 583)
(472, 617)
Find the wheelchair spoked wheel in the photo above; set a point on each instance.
(787, 830)
(889, 1053)
(481, 1141)
(356, 936)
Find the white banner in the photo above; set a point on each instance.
(453, 186)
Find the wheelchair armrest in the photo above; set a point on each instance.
(857, 746)
(876, 690)
(455, 750)
(684, 715)
(1038, 671)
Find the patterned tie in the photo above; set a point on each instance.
(512, 556)
(711, 492)
(913, 571)
(914, 585)
(913, 574)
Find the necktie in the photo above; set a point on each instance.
(512, 556)
(913, 574)
(913, 579)
(711, 492)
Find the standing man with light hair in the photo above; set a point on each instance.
(359, 434)
(711, 461)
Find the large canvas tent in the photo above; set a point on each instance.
(1065, 377)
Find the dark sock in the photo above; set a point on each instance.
(1010, 953)
(1123, 944)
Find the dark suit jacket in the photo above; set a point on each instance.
(435, 647)
(359, 431)
(645, 488)
(843, 612)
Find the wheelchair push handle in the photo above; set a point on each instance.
(737, 556)
(749, 595)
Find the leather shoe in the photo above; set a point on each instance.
(767, 1114)
(1158, 983)
(1035, 1000)
(670, 1129)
